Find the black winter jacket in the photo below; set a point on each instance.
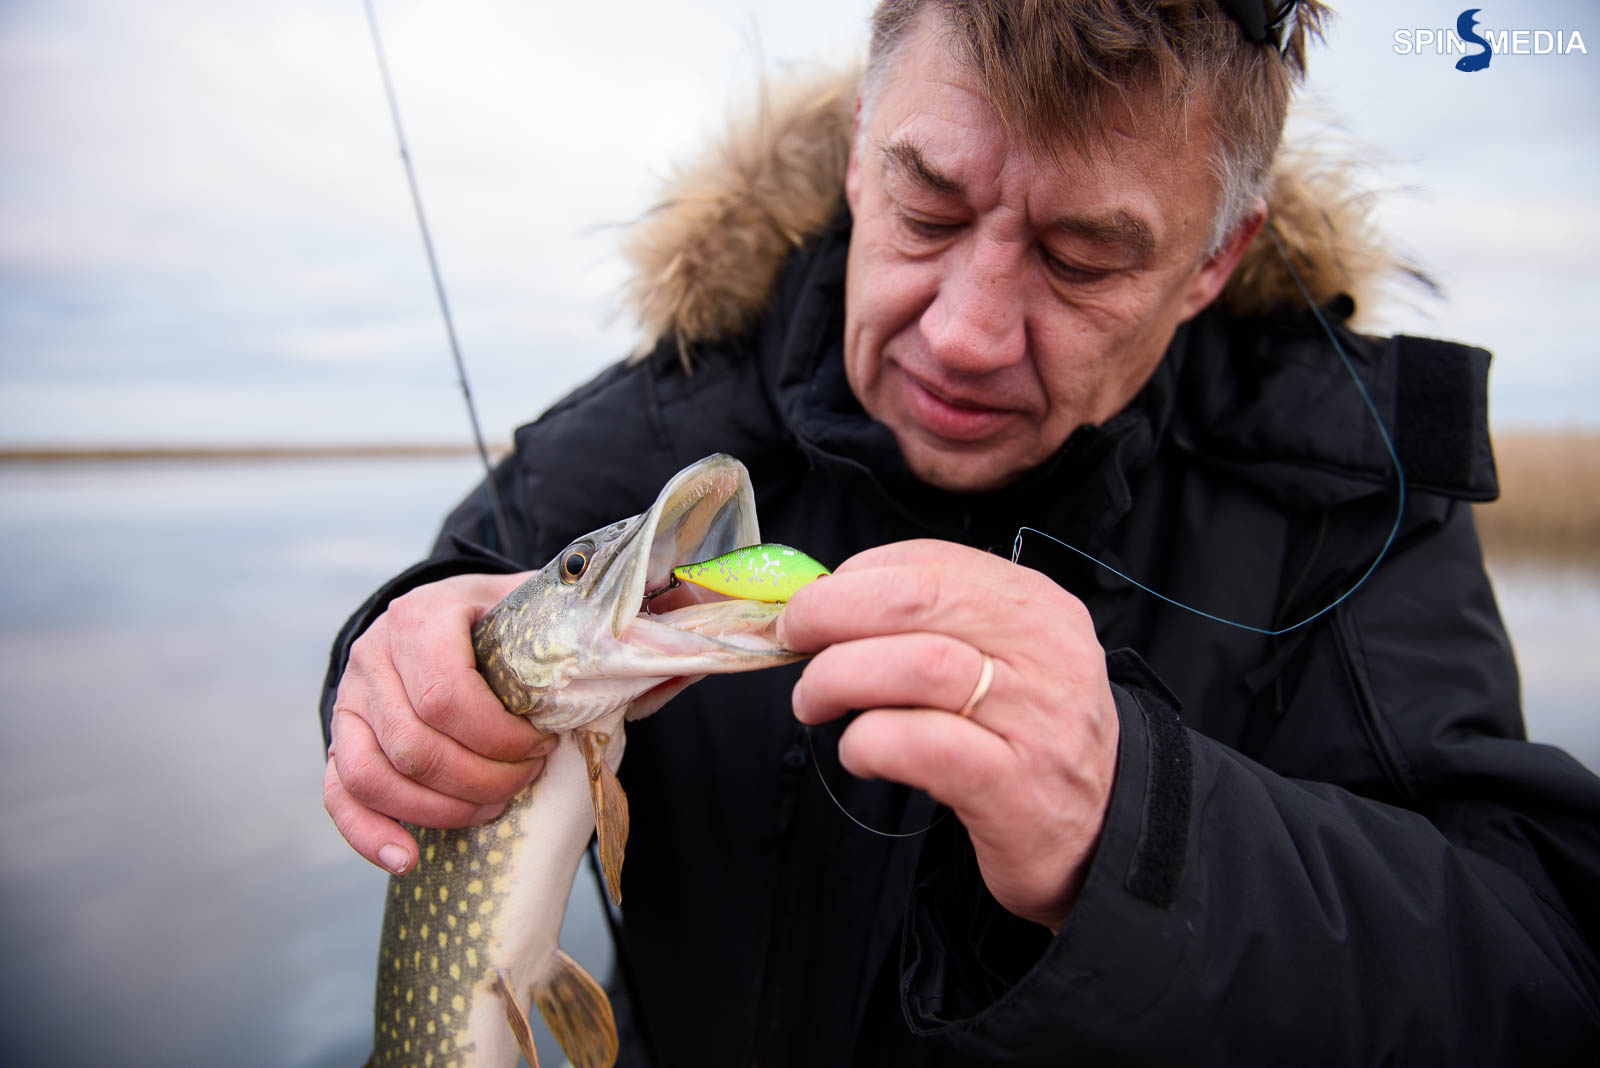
(1331, 846)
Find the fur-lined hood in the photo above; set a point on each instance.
(705, 258)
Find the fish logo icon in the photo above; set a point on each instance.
(1466, 29)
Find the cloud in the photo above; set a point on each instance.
(207, 196)
(1486, 182)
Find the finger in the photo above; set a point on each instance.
(426, 635)
(460, 705)
(990, 609)
(1031, 835)
(377, 837)
(419, 752)
(926, 552)
(897, 671)
(953, 760)
(372, 780)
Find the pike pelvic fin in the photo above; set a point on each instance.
(578, 1013)
(517, 1018)
(610, 810)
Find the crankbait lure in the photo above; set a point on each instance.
(767, 572)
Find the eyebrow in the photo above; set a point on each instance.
(1119, 229)
(907, 158)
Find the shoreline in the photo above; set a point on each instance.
(1548, 509)
(69, 454)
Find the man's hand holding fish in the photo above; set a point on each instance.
(417, 733)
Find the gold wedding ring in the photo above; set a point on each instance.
(981, 690)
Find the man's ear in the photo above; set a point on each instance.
(852, 172)
(1215, 272)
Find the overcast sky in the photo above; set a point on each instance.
(205, 234)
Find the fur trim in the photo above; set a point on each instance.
(1325, 227)
(705, 258)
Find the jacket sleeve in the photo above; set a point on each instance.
(1235, 915)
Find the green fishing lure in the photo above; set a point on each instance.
(767, 572)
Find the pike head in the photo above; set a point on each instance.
(578, 640)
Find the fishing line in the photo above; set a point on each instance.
(1388, 444)
(438, 284)
(1400, 505)
(823, 779)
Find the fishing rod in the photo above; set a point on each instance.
(438, 285)
(613, 922)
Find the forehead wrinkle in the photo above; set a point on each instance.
(908, 160)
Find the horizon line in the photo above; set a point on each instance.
(252, 451)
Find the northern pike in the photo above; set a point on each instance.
(583, 645)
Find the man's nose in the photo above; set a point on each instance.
(976, 323)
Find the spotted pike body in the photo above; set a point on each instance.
(479, 898)
(472, 931)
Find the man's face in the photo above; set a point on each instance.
(996, 302)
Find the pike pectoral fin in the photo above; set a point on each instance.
(610, 810)
(517, 1018)
(578, 1013)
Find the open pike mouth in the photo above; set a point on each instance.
(690, 609)
(705, 511)
(669, 594)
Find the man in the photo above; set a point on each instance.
(1327, 844)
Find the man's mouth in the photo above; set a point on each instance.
(949, 416)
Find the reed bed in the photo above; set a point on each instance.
(1549, 506)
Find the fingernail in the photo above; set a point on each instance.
(488, 812)
(394, 858)
(544, 747)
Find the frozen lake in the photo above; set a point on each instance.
(174, 892)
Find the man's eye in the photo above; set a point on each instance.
(1071, 272)
(926, 228)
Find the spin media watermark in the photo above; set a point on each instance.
(1478, 45)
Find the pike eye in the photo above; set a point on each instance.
(574, 564)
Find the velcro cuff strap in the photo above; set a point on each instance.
(1163, 844)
